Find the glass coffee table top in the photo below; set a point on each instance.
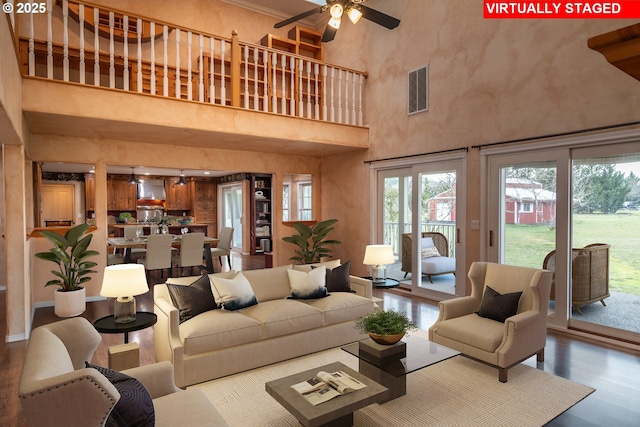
(420, 353)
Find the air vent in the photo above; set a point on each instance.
(419, 90)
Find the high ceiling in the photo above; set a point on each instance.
(283, 9)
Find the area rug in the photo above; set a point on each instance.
(455, 392)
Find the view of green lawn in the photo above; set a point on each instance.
(527, 245)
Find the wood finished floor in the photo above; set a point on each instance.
(614, 374)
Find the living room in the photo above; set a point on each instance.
(490, 81)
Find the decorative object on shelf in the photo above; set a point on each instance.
(123, 282)
(310, 252)
(378, 256)
(260, 194)
(70, 253)
(125, 217)
(385, 327)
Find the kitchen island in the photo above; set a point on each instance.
(118, 229)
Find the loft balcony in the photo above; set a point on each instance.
(101, 73)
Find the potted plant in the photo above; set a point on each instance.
(70, 253)
(385, 327)
(313, 250)
(125, 217)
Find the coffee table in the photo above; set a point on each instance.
(389, 365)
(338, 411)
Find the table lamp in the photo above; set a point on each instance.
(378, 256)
(123, 281)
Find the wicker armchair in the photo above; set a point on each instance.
(589, 274)
(437, 265)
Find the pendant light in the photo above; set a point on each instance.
(132, 178)
(181, 181)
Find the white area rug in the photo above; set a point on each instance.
(455, 392)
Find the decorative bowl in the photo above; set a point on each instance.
(386, 339)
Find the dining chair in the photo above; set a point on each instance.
(158, 254)
(191, 250)
(130, 232)
(224, 245)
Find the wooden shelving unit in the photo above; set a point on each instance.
(261, 211)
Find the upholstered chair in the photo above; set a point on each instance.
(467, 323)
(191, 251)
(224, 245)
(158, 253)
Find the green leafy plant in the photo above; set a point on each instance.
(70, 253)
(311, 241)
(385, 322)
(125, 216)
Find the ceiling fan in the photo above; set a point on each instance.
(337, 8)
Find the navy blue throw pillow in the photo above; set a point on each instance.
(135, 407)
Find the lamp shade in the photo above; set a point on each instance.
(124, 280)
(378, 254)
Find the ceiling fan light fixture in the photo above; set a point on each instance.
(354, 15)
(181, 181)
(336, 11)
(335, 22)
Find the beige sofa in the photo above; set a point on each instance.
(220, 342)
(57, 390)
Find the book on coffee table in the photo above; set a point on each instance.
(325, 386)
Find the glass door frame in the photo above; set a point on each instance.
(224, 189)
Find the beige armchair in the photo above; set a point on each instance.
(500, 344)
(589, 274)
(57, 390)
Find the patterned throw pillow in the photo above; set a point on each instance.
(308, 285)
(193, 299)
(135, 407)
(233, 294)
(429, 252)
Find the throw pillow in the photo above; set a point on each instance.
(308, 285)
(338, 278)
(233, 294)
(193, 299)
(498, 306)
(429, 252)
(135, 407)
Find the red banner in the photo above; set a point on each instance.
(517, 9)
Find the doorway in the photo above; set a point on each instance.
(232, 212)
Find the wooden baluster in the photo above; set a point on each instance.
(353, 98)
(49, 41)
(65, 40)
(361, 82)
(189, 75)
(256, 97)
(178, 84)
(292, 107)
(274, 86)
(112, 68)
(246, 77)
(265, 92)
(96, 46)
(223, 79)
(300, 70)
(139, 73)
(339, 96)
(81, 32)
(125, 47)
(324, 92)
(316, 75)
(346, 97)
(333, 102)
(212, 76)
(165, 77)
(200, 69)
(152, 31)
(32, 53)
(283, 100)
(309, 89)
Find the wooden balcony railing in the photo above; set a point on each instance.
(112, 49)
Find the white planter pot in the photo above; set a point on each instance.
(70, 304)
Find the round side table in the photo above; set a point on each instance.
(108, 325)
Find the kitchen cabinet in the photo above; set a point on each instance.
(178, 196)
(261, 213)
(204, 205)
(89, 193)
(121, 196)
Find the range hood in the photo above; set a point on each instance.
(151, 189)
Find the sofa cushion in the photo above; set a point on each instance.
(498, 307)
(284, 317)
(233, 294)
(193, 299)
(342, 307)
(269, 283)
(190, 279)
(135, 406)
(473, 330)
(437, 265)
(308, 267)
(218, 329)
(308, 285)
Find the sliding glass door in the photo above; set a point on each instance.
(232, 212)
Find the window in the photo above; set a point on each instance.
(526, 207)
(285, 202)
(304, 201)
(419, 90)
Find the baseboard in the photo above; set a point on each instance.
(43, 304)
(14, 338)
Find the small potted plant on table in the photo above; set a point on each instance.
(385, 327)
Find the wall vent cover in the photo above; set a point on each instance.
(419, 90)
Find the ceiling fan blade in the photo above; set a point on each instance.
(329, 33)
(303, 15)
(379, 18)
